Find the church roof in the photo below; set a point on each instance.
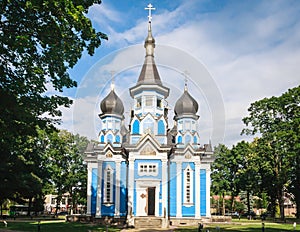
(149, 77)
(149, 73)
(112, 104)
(186, 105)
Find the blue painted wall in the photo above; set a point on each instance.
(94, 191)
(203, 192)
(123, 191)
(173, 183)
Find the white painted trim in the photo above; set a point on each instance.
(118, 179)
(89, 189)
(143, 184)
(147, 171)
(197, 191)
(99, 186)
(111, 181)
(191, 184)
(130, 188)
(164, 193)
(178, 189)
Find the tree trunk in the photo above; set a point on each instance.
(281, 204)
(58, 199)
(248, 205)
(29, 206)
(223, 204)
(232, 203)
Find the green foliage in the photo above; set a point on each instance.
(66, 170)
(277, 120)
(39, 42)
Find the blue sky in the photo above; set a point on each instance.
(237, 52)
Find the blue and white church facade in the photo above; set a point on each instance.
(149, 169)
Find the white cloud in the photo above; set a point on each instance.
(251, 50)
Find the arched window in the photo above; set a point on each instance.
(108, 185)
(109, 138)
(102, 138)
(179, 139)
(188, 185)
(188, 139)
(148, 126)
(117, 139)
(136, 127)
(161, 127)
(195, 139)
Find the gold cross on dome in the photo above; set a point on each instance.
(149, 7)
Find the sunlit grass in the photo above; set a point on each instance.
(53, 226)
(242, 225)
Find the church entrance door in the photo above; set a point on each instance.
(151, 201)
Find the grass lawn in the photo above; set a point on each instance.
(246, 226)
(62, 226)
(52, 226)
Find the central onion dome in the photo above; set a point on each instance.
(112, 104)
(186, 105)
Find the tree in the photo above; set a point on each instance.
(277, 119)
(39, 42)
(222, 173)
(246, 174)
(67, 172)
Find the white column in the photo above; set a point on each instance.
(208, 192)
(130, 187)
(117, 199)
(179, 189)
(164, 188)
(89, 189)
(99, 187)
(197, 190)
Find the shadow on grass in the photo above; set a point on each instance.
(242, 228)
(55, 226)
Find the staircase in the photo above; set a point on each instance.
(148, 222)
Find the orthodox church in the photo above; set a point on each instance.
(147, 169)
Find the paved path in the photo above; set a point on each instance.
(148, 230)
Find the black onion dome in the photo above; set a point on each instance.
(186, 104)
(112, 104)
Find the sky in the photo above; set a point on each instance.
(232, 53)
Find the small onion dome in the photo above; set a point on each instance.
(186, 104)
(112, 104)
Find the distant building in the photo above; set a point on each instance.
(149, 169)
(51, 203)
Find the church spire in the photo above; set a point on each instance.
(149, 76)
(149, 41)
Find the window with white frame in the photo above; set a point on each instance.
(138, 102)
(180, 125)
(148, 126)
(187, 125)
(188, 185)
(148, 169)
(108, 185)
(149, 101)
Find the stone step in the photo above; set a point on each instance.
(147, 222)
